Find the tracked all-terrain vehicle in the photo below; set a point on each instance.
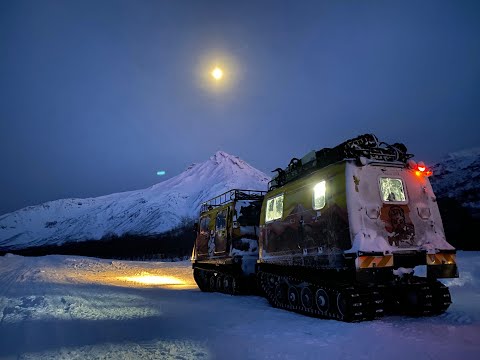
(226, 247)
(343, 232)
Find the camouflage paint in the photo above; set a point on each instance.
(303, 230)
(210, 242)
(214, 243)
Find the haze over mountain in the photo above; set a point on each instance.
(154, 210)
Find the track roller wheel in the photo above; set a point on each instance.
(202, 279)
(293, 296)
(322, 300)
(306, 297)
(219, 283)
(342, 306)
(212, 281)
(228, 284)
(273, 281)
(281, 295)
(270, 281)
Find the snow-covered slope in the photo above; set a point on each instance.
(149, 211)
(458, 176)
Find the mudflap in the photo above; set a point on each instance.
(443, 271)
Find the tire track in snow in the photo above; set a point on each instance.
(12, 276)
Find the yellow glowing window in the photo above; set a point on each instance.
(221, 221)
(274, 208)
(319, 199)
(204, 225)
(392, 190)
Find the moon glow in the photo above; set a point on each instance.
(217, 73)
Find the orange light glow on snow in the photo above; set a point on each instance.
(148, 279)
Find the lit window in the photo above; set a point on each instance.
(319, 195)
(274, 208)
(392, 190)
(204, 223)
(221, 221)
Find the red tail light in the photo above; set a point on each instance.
(422, 170)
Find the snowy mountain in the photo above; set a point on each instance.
(144, 212)
(458, 176)
(163, 206)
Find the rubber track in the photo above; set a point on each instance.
(420, 298)
(346, 302)
(200, 275)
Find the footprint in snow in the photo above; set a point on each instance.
(32, 301)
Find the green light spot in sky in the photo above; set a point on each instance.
(160, 173)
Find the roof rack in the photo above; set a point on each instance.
(366, 146)
(232, 195)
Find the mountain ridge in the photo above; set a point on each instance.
(165, 205)
(153, 210)
(457, 176)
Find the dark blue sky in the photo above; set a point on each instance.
(96, 96)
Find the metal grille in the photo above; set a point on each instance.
(230, 196)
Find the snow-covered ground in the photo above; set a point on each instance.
(74, 307)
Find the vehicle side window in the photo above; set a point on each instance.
(392, 190)
(204, 225)
(319, 199)
(221, 220)
(274, 209)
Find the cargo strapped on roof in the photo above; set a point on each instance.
(232, 195)
(366, 146)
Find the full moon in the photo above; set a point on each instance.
(217, 73)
